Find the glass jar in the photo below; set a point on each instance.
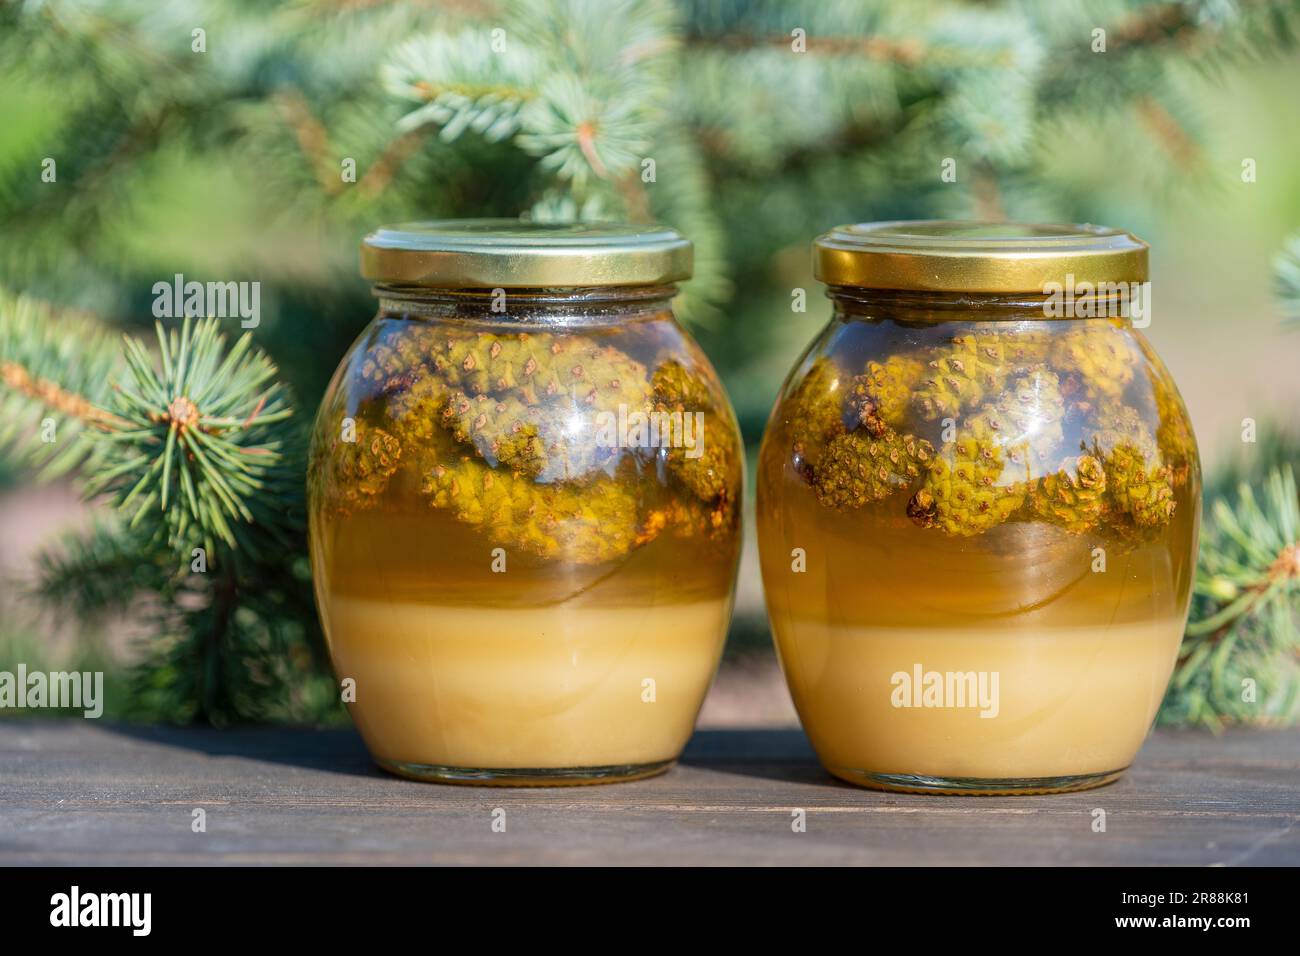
(524, 500)
(978, 504)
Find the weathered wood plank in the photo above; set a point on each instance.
(81, 793)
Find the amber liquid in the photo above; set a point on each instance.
(479, 659)
(1081, 630)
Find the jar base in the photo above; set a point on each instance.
(975, 786)
(527, 776)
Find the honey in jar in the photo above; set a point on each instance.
(525, 505)
(978, 503)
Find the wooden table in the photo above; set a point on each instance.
(87, 793)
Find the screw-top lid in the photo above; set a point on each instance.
(510, 253)
(952, 256)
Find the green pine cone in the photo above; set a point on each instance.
(1098, 359)
(511, 400)
(814, 412)
(1113, 424)
(1142, 494)
(1026, 419)
(882, 394)
(511, 397)
(1073, 500)
(586, 523)
(1174, 436)
(962, 492)
(418, 411)
(1029, 347)
(394, 363)
(500, 430)
(713, 473)
(352, 474)
(536, 367)
(965, 374)
(858, 468)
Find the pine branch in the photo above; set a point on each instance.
(1195, 29)
(577, 124)
(1286, 271)
(312, 139)
(577, 134)
(101, 571)
(204, 445)
(463, 83)
(55, 397)
(55, 371)
(384, 169)
(234, 647)
(683, 195)
(1240, 659)
(1182, 148)
(196, 447)
(902, 52)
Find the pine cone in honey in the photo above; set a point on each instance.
(858, 467)
(691, 517)
(714, 472)
(540, 366)
(1143, 494)
(515, 398)
(532, 366)
(583, 522)
(814, 413)
(1025, 347)
(1097, 358)
(1174, 436)
(394, 361)
(1026, 419)
(882, 394)
(1114, 424)
(965, 374)
(1072, 499)
(501, 429)
(963, 492)
(352, 474)
(419, 410)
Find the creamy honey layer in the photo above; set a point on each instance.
(983, 703)
(522, 688)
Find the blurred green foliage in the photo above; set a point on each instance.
(215, 139)
(228, 163)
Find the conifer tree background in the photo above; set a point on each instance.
(244, 141)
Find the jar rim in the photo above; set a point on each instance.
(519, 254)
(937, 255)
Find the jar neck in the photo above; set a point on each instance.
(1116, 303)
(611, 305)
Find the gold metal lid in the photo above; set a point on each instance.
(512, 253)
(953, 256)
